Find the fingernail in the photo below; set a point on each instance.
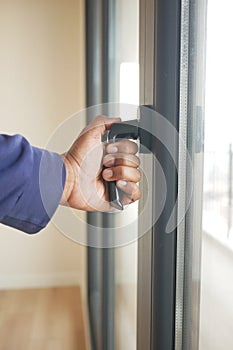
(112, 149)
(108, 173)
(122, 182)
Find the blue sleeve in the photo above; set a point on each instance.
(31, 184)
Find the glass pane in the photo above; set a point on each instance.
(127, 92)
(217, 253)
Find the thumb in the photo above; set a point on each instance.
(100, 124)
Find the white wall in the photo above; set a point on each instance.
(42, 82)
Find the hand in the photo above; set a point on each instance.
(84, 187)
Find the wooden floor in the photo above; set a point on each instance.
(41, 319)
(126, 317)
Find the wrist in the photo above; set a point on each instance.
(69, 182)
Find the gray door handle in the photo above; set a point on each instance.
(123, 130)
(131, 129)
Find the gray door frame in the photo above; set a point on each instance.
(160, 48)
(172, 65)
(100, 72)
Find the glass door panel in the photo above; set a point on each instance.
(112, 32)
(216, 314)
(127, 92)
(147, 290)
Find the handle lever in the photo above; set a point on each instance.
(131, 129)
(123, 130)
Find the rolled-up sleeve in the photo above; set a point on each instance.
(31, 184)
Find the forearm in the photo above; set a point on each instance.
(31, 184)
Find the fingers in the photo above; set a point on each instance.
(131, 191)
(122, 166)
(124, 146)
(121, 172)
(121, 159)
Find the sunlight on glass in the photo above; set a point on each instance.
(217, 218)
(219, 75)
(129, 83)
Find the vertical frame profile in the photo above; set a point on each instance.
(160, 69)
(166, 102)
(195, 146)
(100, 77)
(182, 172)
(146, 69)
(93, 12)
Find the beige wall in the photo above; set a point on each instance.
(41, 84)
